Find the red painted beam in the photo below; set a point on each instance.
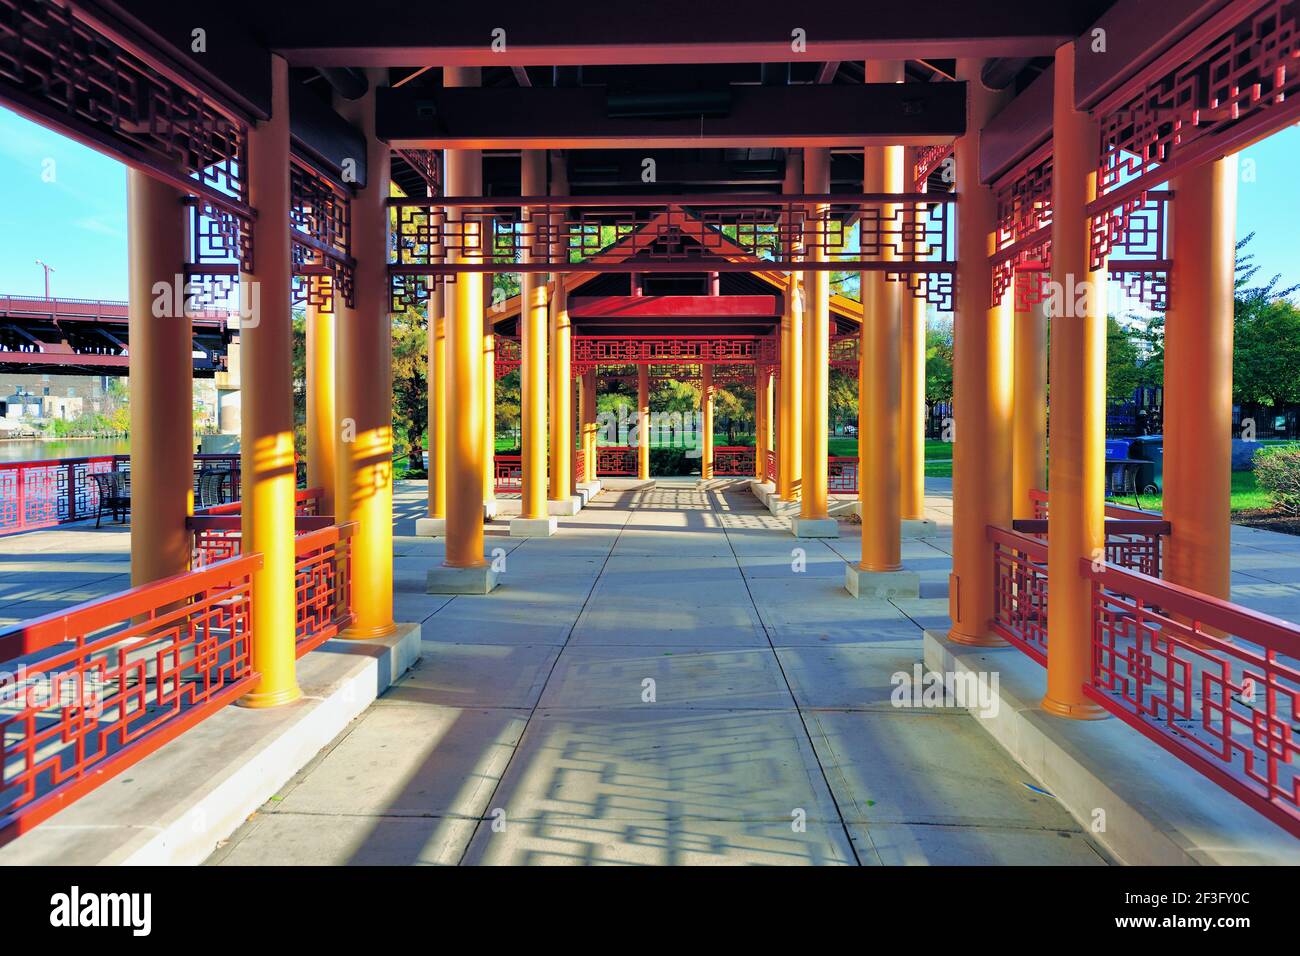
(64, 358)
(634, 307)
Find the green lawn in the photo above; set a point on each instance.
(1246, 495)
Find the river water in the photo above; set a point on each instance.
(29, 450)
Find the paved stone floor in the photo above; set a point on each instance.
(655, 684)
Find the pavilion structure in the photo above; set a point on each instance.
(675, 191)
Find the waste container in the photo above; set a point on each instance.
(1149, 448)
(1117, 448)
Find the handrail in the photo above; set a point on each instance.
(1112, 525)
(37, 634)
(1034, 548)
(1203, 609)
(301, 495)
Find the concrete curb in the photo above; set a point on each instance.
(1158, 810)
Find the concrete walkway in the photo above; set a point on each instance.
(659, 684)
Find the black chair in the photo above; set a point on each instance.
(214, 488)
(114, 495)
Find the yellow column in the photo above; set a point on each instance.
(489, 404)
(1029, 417)
(532, 371)
(1076, 516)
(161, 368)
(706, 421)
(561, 380)
(1198, 378)
(879, 371)
(322, 430)
(643, 422)
(981, 385)
(266, 418)
(762, 406)
(911, 443)
(588, 434)
(790, 462)
(364, 383)
(437, 383)
(464, 391)
(816, 352)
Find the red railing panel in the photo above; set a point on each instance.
(842, 476)
(1020, 591)
(1215, 684)
(771, 467)
(616, 460)
(734, 460)
(509, 472)
(322, 585)
(104, 684)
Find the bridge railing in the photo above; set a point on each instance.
(616, 460)
(49, 492)
(106, 683)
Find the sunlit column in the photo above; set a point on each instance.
(561, 380)
(789, 465)
(322, 427)
(981, 384)
(161, 376)
(532, 371)
(489, 404)
(879, 368)
(464, 569)
(437, 385)
(1077, 450)
(1029, 416)
(266, 419)
(814, 517)
(706, 421)
(1198, 378)
(589, 432)
(643, 422)
(911, 430)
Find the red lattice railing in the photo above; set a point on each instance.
(41, 494)
(106, 683)
(322, 568)
(579, 466)
(307, 502)
(1214, 684)
(509, 472)
(1136, 544)
(616, 460)
(771, 467)
(734, 460)
(1020, 591)
(842, 476)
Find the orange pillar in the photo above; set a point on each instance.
(879, 372)
(1077, 453)
(489, 400)
(161, 368)
(911, 435)
(364, 403)
(643, 422)
(706, 421)
(436, 378)
(762, 421)
(322, 430)
(790, 461)
(266, 418)
(981, 384)
(1029, 417)
(533, 519)
(1198, 378)
(587, 430)
(814, 515)
(464, 570)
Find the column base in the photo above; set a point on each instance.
(447, 580)
(781, 508)
(533, 527)
(918, 528)
(430, 527)
(588, 490)
(1084, 710)
(258, 699)
(489, 510)
(802, 527)
(881, 585)
(565, 506)
(976, 640)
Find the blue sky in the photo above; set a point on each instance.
(77, 221)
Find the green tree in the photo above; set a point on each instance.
(410, 386)
(1123, 361)
(938, 363)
